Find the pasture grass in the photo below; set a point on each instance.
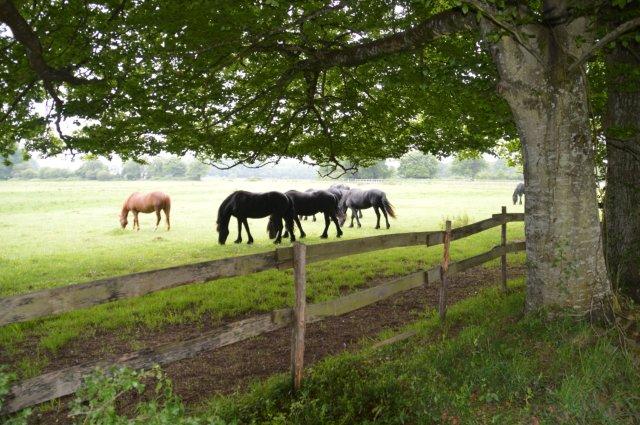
(57, 233)
(487, 364)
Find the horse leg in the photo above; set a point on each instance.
(239, 238)
(135, 220)
(360, 213)
(355, 213)
(375, 209)
(246, 227)
(520, 199)
(289, 225)
(327, 221)
(302, 233)
(314, 217)
(166, 216)
(384, 212)
(158, 218)
(335, 221)
(352, 217)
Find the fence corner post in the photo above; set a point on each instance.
(444, 269)
(503, 244)
(299, 311)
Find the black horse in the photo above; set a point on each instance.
(339, 190)
(304, 217)
(242, 205)
(319, 201)
(357, 199)
(518, 193)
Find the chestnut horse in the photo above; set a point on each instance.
(145, 203)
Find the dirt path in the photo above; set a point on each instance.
(231, 368)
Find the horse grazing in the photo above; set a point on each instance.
(357, 199)
(145, 203)
(243, 205)
(319, 201)
(518, 193)
(339, 190)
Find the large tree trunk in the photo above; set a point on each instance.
(622, 199)
(565, 262)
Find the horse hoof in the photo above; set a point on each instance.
(323, 236)
(359, 226)
(277, 242)
(237, 241)
(249, 242)
(303, 235)
(351, 226)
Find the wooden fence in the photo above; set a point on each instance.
(66, 381)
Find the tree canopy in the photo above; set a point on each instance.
(246, 81)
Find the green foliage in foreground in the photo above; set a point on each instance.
(488, 364)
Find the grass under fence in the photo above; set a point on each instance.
(488, 364)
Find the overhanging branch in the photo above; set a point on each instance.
(25, 35)
(439, 25)
(608, 38)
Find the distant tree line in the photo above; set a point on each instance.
(172, 168)
(416, 165)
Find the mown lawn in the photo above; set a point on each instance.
(77, 239)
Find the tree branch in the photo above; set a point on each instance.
(485, 10)
(608, 38)
(25, 35)
(437, 26)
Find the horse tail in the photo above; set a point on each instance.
(388, 207)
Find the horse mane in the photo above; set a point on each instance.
(224, 206)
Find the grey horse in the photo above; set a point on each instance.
(518, 193)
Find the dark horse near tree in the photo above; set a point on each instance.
(146, 203)
(339, 190)
(243, 205)
(319, 201)
(518, 193)
(357, 199)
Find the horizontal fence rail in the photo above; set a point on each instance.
(63, 382)
(66, 381)
(20, 308)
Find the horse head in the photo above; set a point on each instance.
(123, 220)
(223, 232)
(341, 212)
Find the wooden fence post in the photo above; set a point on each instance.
(299, 311)
(444, 269)
(503, 243)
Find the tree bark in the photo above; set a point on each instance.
(565, 261)
(622, 198)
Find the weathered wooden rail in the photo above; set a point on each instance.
(66, 381)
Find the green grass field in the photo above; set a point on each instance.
(59, 233)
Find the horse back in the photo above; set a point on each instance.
(148, 202)
(259, 205)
